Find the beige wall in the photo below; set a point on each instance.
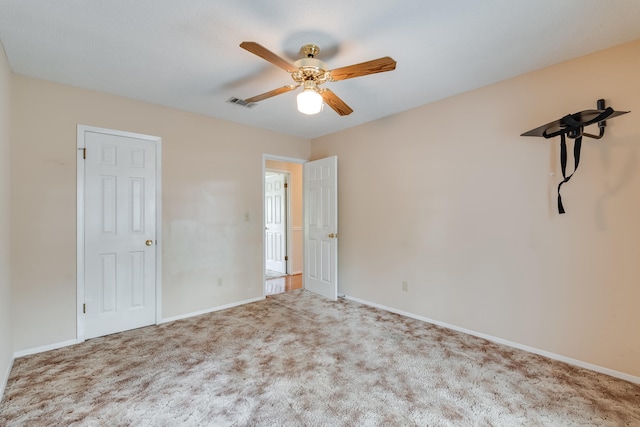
(295, 190)
(6, 342)
(447, 197)
(450, 198)
(211, 177)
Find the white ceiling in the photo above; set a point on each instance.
(185, 54)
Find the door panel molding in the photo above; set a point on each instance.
(82, 130)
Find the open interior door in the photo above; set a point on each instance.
(275, 222)
(321, 227)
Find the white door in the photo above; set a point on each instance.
(119, 233)
(275, 222)
(321, 227)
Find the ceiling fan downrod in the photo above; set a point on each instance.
(310, 50)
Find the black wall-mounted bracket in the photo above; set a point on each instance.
(572, 125)
(601, 125)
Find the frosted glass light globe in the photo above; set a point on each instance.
(309, 102)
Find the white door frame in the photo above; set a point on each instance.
(288, 229)
(80, 326)
(266, 157)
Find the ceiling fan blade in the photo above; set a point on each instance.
(267, 55)
(379, 65)
(271, 93)
(335, 102)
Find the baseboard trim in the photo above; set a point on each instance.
(44, 348)
(211, 310)
(68, 343)
(5, 379)
(554, 356)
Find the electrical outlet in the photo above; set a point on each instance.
(219, 281)
(405, 286)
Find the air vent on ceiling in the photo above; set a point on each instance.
(241, 102)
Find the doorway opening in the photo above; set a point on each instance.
(312, 250)
(283, 223)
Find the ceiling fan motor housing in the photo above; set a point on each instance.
(310, 69)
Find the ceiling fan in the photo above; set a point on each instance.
(310, 73)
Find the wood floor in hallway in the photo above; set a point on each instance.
(283, 284)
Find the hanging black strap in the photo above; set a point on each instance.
(563, 163)
(570, 125)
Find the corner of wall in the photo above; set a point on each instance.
(5, 377)
(6, 332)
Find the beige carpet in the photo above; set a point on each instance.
(298, 360)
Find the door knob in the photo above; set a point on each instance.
(149, 242)
(333, 235)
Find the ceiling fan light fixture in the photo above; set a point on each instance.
(310, 72)
(309, 100)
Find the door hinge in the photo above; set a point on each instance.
(286, 257)
(84, 153)
(286, 185)
(84, 308)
